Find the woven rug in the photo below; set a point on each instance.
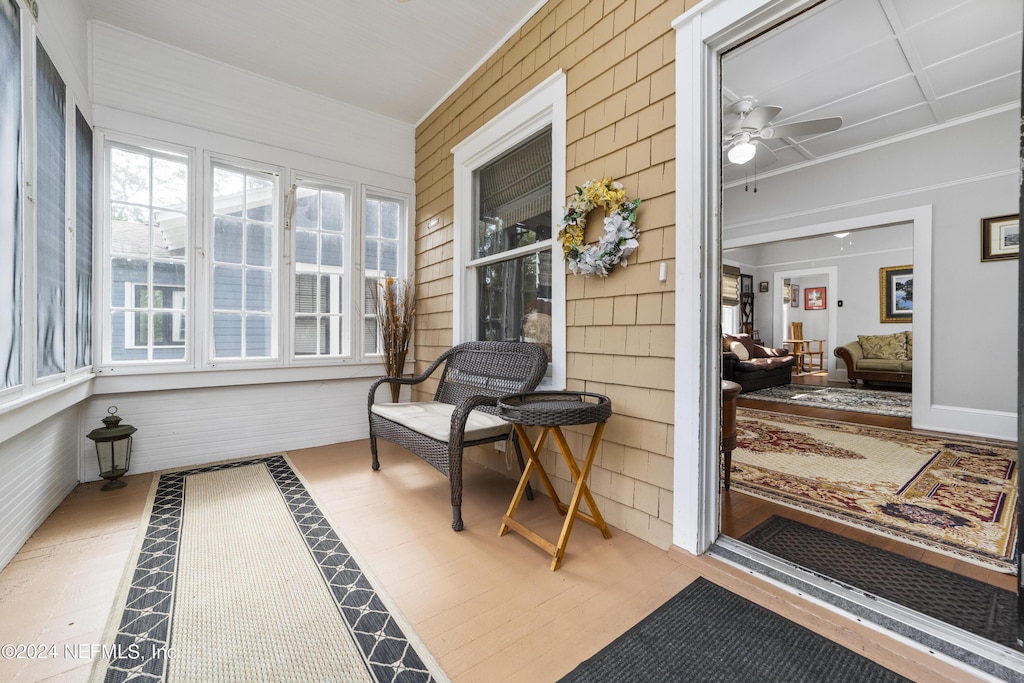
(879, 402)
(952, 495)
(966, 603)
(709, 634)
(240, 577)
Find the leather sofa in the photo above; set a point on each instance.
(754, 366)
(879, 358)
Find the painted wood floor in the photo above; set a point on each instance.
(487, 607)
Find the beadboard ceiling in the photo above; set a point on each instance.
(395, 58)
(890, 68)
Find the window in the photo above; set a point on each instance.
(149, 238)
(244, 257)
(11, 230)
(384, 218)
(83, 242)
(509, 177)
(322, 223)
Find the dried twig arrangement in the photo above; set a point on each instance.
(396, 312)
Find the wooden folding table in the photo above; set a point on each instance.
(552, 410)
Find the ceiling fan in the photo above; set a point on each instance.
(753, 124)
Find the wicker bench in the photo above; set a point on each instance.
(463, 412)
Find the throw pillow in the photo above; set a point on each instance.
(740, 350)
(886, 346)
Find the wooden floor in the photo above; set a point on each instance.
(487, 607)
(741, 513)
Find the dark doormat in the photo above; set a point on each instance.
(966, 603)
(706, 633)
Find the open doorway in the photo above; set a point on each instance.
(794, 183)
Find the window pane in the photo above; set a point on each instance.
(514, 300)
(129, 176)
(389, 258)
(51, 170)
(129, 230)
(83, 242)
(245, 252)
(124, 273)
(320, 325)
(171, 274)
(389, 216)
(11, 235)
(227, 240)
(170, 186)
(372, 218)
(513, 193)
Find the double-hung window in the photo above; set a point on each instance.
(384, 219)
(509, 273)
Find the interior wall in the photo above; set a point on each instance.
(965, 173)
(618, 58)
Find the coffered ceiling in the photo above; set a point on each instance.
(889, 68)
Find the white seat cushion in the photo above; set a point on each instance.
(434, 419)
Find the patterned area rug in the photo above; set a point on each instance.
(952, 495)
(895, 403)
(239, 576)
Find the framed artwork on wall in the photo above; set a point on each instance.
(896, 294)
(814, 298)
(1000, 238)
(795, 302)
(762, 286)
(746, 284)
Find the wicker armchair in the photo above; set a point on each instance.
(463, 412)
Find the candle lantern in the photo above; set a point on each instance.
(113, 449)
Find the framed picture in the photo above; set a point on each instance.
(896, 294)
(795, 303)
(746, 284)
(762, 286)
(814, 298)
(1000, 238)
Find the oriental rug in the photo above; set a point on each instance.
(709, 634)
(953, 495)
(238, 575)
(895, 403)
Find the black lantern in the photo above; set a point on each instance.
(113, 449)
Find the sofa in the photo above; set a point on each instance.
(879, 358)
(754, 366)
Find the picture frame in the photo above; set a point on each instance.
(1000, 238)
(762, 286)
(746, 284)
(814, 298)
(795, 302)
(896, 294)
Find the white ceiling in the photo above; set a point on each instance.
(890, 68)
(395, 58)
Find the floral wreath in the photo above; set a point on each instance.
(619, 239)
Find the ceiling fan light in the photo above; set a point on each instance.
(742, 153)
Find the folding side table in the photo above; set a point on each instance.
(552, 410)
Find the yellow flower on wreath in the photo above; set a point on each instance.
(619, 238)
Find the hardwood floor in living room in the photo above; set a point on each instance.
(742, 513)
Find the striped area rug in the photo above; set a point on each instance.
(239, 576)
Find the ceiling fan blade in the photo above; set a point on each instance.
(760, 117)
(800, 128)
(765, 156)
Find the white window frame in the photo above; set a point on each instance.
(276, 357)
(542, 107)
(177, 314)
(345, 274)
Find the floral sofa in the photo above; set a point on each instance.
(879, 358)
(754, 366)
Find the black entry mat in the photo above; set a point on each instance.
(966, 603)
(709, 634)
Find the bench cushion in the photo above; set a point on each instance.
(434, 419)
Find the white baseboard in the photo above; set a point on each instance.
(970, 421)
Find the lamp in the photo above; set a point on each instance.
(113, 449)
(743, 150)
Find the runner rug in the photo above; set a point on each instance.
(879, 402)
(709, 634)
(239, 576)
(952, 495)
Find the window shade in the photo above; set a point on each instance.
(730, 286)
(10, 197)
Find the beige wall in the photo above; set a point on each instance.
(618, 57)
